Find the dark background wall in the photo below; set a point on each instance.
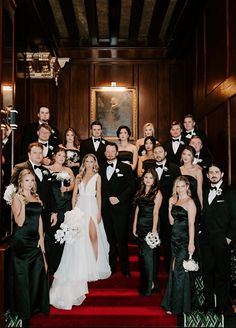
(214, 82)
(162, 89)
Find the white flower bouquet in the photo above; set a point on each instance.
(71, 227)
(63, 176)
(190, 264)
(153, 240)
(9, 193)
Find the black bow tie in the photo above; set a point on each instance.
(174, 140)
(159, 165)
(97, 139)
(213, 188)
(196, 156)
(37, 167)
(44, 144)
(110, 164)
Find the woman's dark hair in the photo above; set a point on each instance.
(76, 140)
(125, 127)
(189, 148)
(152, 139)
(154, 188)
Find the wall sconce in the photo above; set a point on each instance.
(7, 95)
(114, 88)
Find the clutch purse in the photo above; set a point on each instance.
(190, 264)
(153, 240)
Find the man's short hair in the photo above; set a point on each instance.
(45, 126)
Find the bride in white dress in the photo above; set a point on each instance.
(86, 259)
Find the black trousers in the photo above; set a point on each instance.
(116, 227)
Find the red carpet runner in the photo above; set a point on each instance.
(113, 302)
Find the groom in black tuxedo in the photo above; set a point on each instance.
(95, 144)
(42, 175)
(118, 186)
(218, 233)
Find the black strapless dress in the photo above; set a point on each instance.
(63, 204)
(147, 255)
(178, 294)
(29, 285)
(125, 156)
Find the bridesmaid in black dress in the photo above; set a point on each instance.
(29, 287)
(127, 152)
(72, 149)
(62, 185)
(182, 212)
(148, 199)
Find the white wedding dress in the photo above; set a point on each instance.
(78, 263)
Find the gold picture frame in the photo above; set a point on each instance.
(114, 106)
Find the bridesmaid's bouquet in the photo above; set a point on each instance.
(153, 240)
(190, 264)
(63, 176)
(71, 227)
(9, 193)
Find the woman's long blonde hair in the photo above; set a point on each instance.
(183, 179)
(22, 174)
(82, 170)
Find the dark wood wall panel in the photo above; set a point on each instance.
(122, 74)
(148, 94)
(179, 103)
(232, 33)
(232, 113)
(215, 110)
(200, 62)
(164, 102)
(216, 44)
(218, 135)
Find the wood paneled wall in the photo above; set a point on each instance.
(162, 89)
(215, 81)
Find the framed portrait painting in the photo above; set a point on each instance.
(114, 106)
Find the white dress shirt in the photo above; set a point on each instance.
(110, 170)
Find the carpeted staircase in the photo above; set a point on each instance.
(113, 302)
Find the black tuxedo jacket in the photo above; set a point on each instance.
(171, 156)
(201, 134)
(121, 185)
(30, 135)
(43, 189)
(205, 158)
(169, 174)
(219, 218)
(87, 147)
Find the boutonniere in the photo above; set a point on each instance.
(53, 131)
(117, 170)
(45, 172)
(50, 147)
(103, 141)
(143, 152)
(165, 168)
(219, 192)
(182, 143)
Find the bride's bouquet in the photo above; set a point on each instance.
(153, 240)
(71, 227)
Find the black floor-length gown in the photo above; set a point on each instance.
(62, 202)
(178, 295)
(29, 285)
(147, 255)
